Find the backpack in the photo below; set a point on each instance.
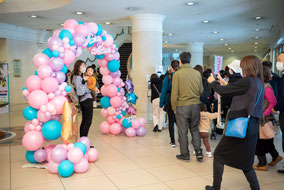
(168, 105)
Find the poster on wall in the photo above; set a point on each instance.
(4, 88)
(218, 63)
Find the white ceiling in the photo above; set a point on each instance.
(233, 19)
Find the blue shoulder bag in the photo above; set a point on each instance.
(238, 127)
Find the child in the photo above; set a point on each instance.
(204, 127)
(91, 82)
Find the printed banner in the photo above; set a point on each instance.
(4, 88)
(218, 63)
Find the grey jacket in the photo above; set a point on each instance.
(81, 88)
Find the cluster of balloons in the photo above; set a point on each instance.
(65, 159)
(131, 98)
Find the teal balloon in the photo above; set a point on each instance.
(100, 56)
(81, 146)
(30, 113)
(71, 43)
(90, 45)
(118, 89)
(25, 88)
(65, 168)
(123, 113)
(36, 73)
(104, 38)
(51, 130)
(65, 33)
(80, 22)
(113, 65)
(118, 117)
(68, 88)
(64, 69)
(47, 52)
(30, 156)
(105, 102)
(100, 30)
(55, 53)
(126, 123)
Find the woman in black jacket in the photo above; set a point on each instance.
(237, 152)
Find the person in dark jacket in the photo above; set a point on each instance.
(158, 113)
(165, 100)
(239, 152)
(273, 82)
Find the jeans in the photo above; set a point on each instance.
(172, 120)
(87, 116)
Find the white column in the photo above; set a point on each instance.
(196, 50)
(147, 54)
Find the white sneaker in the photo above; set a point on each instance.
(173, 145)
(209, 154)
(95, 104)
(194, 152)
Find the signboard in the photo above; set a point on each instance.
(218, 63)
(4, 88)
(17, 68)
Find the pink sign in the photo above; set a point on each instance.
(218, 63)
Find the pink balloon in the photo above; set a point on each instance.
(56, 63)
(25, 92)
(104, 71)
(58, 102)
(82, 29)
(49, 147)
(37, 98)
(33, 83)
(117, 81)
(32, 140)
(70, 23)
(112, 90)
(93, 27)
(116, 101)
(54, 42)
(120, 121)
(52, 167)
(82, 166)
(104, 128)
(75, 155)
(102, 62)
(92, 155)
(109, 41)
(58, 154)
(27, 126)
(116, 56)
(110, 119)
(107, 79)
(69, 57)
(86, 141)
(135, 124)
(104, 90)
(40, 155)
(79, 39)
(130, 132)
(109, 57)
(42, 117)
(141, 131)
(51, 96)
(56, 33)
(44, 71)
(115, 129)
(104, 112)
(56, 117)
(40, 59)
(49, 84)
(142, 122)
(110, 111)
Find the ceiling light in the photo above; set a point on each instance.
(229, 48)
(255, 47)
(79, 13)
(258, 17)
(176, 49)
(255, 43)
(190, 3)
(215, 32)
(226, 44)
(256, 38)
(205, 21)
(170, 34)
(255, 50)
(107, 23)
(221, 39)
(256, 30)
(232, 51)
(61, 24)
(165, 42)
(131, 8)
(33, 16)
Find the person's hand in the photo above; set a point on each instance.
(221, 80)
(97, 91)
(274, 111)
(211, 78)
(85, 77)
(175, 112)
(271, 77)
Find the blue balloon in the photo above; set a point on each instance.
(51, 130)
(131, 98)
(123, 113)
(47, 52)
(64, 69)
(65, 33)
(68, 88)
(81, 146)
(65, 168)
(126, 123)
(71, 43)
(80, 22)
(104, 38)
(113, 65)
(100, 30)
(118, 117)
(100, 56)
(118, 89)
(90, 45)
(30, 113)
(30, 156)
(105, 102)
(25, 88)
(36, 73)
(55, 53)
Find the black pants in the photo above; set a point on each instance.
(264, 146)
(172, 120)
(87, 116)
(281, 120)
(218, 168)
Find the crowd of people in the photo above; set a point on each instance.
(248, 89)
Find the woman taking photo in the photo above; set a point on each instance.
(247, 101)
(79, 80)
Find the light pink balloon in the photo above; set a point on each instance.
(130, 132)
(54, 42)
(79, 52)
(37, 98)
(69, 57)
(56, 33)
(115, 129)
(117, 81)
(107, 79)
(92, 155)
(104, 71)
(58, 102)
(32, 140)
(102, 62)
(75, 155)
(27, 126)
(42, 117)
(116, 56)
(120, 121)
(110, 119)
(93, 27)
(52, 167)
(109, 56)
(112, 90)
(33, 83)
(82, 166)
(70, 23)
(136, 124)
(104, 112)
(142, 122)
(104, 128)
(40, 59)
(116, 101)
(51, 96)
(44, 71)
(49, 147)
(104, 91)
(82, 29)
(110, 111)
(49, 84)
(25, 92)
(56, 117)
(109, 40)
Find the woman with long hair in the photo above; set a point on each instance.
(79, 80)
(247, 101)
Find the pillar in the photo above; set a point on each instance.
(196, 50)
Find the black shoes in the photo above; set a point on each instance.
(156, 129)
(199, 155)
(281, 171)
(183, 158)
(208, 187)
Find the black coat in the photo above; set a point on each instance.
(155, 92)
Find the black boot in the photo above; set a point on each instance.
(156, 128)
(199, 155)
(208, 187)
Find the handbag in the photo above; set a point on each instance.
(238, 127)
(267, 131)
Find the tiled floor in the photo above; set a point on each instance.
(124, 163)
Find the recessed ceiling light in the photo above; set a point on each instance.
(226, 44)
(221, 39)
(232, 51)
(255, 47)
(61, 24)
(79, 13)
(190, 3)
(166, 42)
(229, 48)
(255, 50)
(256, 38)
(131, 8)
(170, 34)
(258, 17)
(256, 30)
(215, 32)
(33, 16)
(107, 23)
(205, 21)
(176, 49)
(255, 43)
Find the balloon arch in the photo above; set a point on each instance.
(46, 93)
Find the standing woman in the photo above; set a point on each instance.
(239, 152)
(165, 100)
(79, 80)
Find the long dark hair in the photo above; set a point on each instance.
(252, 67)
(175, 64)
(199, 68)
(76, 70)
